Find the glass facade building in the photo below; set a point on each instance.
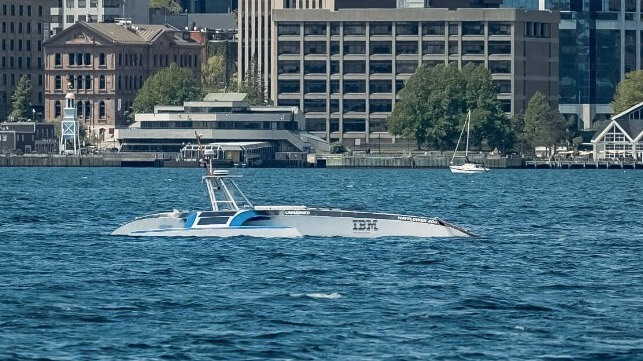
(600, 41)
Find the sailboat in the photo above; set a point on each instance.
(467, 167)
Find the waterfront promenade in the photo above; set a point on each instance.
(168, 160)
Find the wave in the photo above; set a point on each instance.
(320, 295)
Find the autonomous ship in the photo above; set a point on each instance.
(233, 215)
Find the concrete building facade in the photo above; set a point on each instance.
(106, 64)
(22, 33)
(65, 13)
(344, 68)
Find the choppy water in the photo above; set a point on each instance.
(556, 274)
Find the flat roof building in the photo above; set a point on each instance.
(344, 68)
(219, 117)
(24, 28)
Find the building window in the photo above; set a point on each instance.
(381, 86)
(499, 28)
(88, 59)
(288, 86)
(453, 48)
(288, 29)
(79, 109)
(79, 82)
(500, 66)
(288, 47)
(88, 110)
(354, 67)
(472, 47)
(380, 47)
(381, 67)
(433, 47)
(354, 86)
(352, 28)
(314, 105)
(315, 67)
(380, 105)
(315, 47)
(503, 86)
(71, 59)
(406, 28)
(354, 47)
(406, 47)
(405, 66)
(381, 28)
(499, 47)
(101, 59)
(101, 110)
(433, 28)
(472, 28)
(288, 67)
(354, 105)
(315, 29)
(88, 82)
(354, 125)
(57, 83)
(315, 86)
(101, 82)
(57, 109)
(453, 28)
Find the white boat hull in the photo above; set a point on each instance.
(468, 168)
(288, 222)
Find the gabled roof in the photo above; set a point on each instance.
(127, 34)
(225, 97)
(633, 128)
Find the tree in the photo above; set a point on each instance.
(489, 123)
(629, 91)
(20, 100)
(543, 126)
(213, 74)
(170, 86)
(252, 85)
(170, 6)
(434, 103)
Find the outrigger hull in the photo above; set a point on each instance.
(288, 222)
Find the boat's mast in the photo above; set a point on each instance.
(466, 150)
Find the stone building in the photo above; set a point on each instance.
(344, 68)
(22, 33)
(106, 64)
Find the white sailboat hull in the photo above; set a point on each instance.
(468, 168)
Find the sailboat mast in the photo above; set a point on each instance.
(466, 151)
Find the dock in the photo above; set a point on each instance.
(582, 164)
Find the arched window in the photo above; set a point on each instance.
(57, 109)
(101, 110)
(88, 110)
(79, 109)
(79, 82)
(58, 83)
(70, 81)
(88, 82)
(101, 84)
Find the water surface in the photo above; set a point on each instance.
(557, 272)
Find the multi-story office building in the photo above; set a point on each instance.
(22, 34)
(344, 68)
(67, 12)
(600, 41)
(254, 29)
(106, 64)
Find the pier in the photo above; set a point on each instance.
(582, 164)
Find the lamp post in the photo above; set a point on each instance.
(33, 114)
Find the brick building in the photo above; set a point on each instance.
(106, 64)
